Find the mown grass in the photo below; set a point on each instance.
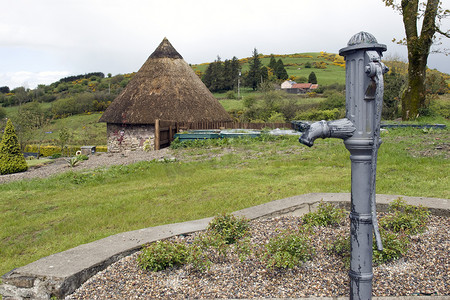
(45, 216)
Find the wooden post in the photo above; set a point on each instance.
(157, 135)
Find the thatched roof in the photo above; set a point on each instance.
(165, 88)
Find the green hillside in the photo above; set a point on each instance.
(329, 68)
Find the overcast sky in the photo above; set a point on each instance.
(42, 41)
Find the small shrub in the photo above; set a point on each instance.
(72, 161)
(11, 158)
(162, 255)
(341, 247)
(229, 227)
(82, 157)
(405, 218)
(230, 95)
(203, 250)
(148, 146)
(326, 214)
(395, 245)
(288, 250)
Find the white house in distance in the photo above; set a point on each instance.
(287, 84)
(292, 87)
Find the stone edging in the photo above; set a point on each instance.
(62, 273)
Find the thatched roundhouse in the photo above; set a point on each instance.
(164, 88)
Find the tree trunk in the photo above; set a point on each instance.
(418, 50)
(414, 96)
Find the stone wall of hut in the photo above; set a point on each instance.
(124, 137)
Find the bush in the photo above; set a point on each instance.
(82, 157)
(405, 218)
(230, 95)
(2, 113)
(316, 115)
(229, 227)
(326, 214)
(334, 100)
(11, 158)
(395, 245)
(288, 250)
(162, 255)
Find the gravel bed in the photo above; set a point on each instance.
(425, 270)
(100, 159)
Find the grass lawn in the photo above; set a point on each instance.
(45, 216)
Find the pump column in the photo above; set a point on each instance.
(360, 110)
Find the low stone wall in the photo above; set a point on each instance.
(122, 137)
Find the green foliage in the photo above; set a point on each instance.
(280, 71)
(11, 158)
(332, 101)
(72, 161)
(312, 78)
(395, 245)
(222, 76)
(253, 77)
(435, 83)
(288, 250)
(162, 255)
(82, 157)
(340, 247)
(229, 227)
(2, 113)
(64, 136)
(394, 84)
(230, 95)
(316, 115)
(222, 231)
(402, 220)
(249, 101)
(405, 218)
(326, 215)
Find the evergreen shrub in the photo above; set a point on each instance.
(11, 157)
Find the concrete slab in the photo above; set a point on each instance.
(62, 273)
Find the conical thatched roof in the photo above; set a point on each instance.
(165, 88)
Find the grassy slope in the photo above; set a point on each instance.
(46, 216)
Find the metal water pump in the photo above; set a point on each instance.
(360, 131)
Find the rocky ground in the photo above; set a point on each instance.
(425, 270)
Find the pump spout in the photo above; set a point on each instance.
(341, 129)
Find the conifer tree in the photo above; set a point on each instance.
(280, 71)
(273, 62)
(11, 158)
(312, 78)
(254, 73)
